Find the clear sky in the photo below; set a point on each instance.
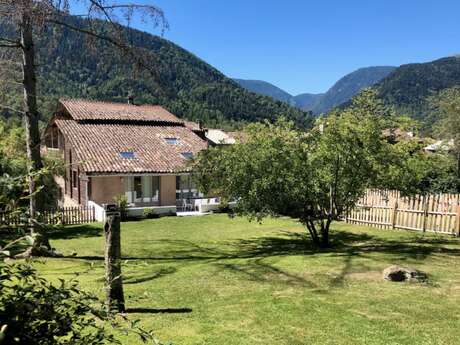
(304, 45)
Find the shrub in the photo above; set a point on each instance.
(122, 203)
(33, 311)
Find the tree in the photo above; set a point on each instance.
(26, 18)
(447, 106)
(314, 176)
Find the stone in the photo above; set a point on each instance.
(399, 274)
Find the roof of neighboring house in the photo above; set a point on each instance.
(192, 125)
(398, 134)
(88, 110)
(239, 136)
(218, 137)
(130, 148)
(440, 145)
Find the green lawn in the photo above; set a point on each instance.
(229, 281)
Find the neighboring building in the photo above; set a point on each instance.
(112, 149)
(218, 137)
(440, 145)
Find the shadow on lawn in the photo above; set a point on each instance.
(159, 311)
(343, 243)
(257, 251)
(77, 231)
(129, 279)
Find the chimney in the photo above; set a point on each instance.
(131, 99)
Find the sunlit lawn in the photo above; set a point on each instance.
(216, 280)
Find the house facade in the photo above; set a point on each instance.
(115, 149)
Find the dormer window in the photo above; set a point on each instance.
(172, 141)
(127, 155)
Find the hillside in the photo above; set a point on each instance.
(308, 101)
(341, 92)
(264, 88)
(186, 85)
(348, 86)
(409, 85)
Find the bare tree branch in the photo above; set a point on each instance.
(7, 45)
(3, 106)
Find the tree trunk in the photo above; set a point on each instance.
(325, 232)
(115, 300)
(31, 115)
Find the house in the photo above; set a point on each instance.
(113, 149)
(440, 146)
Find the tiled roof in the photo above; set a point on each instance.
(94, 110)
(192, 125)
(99, 146)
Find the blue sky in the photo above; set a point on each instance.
(305, 46)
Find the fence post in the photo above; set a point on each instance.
(393, 218)
(457, 229)
(425, 216)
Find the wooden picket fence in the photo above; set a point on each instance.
(62, 215)
(389, 210)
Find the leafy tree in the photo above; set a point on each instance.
(314, 176)
(412, 171)
(13, 169)
(447, 105)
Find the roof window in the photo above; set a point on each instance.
(187, 155)
(172, 141)
(127, 154)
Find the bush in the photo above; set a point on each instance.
(122, 203)
(33, 311)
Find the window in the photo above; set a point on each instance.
(155, 188)
(74, 179)
(185, 188)
(172, 141)
(142, 189)
(138, 187)
(187, 155)
(52, 138)
(127, 154)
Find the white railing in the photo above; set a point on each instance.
(99, 212)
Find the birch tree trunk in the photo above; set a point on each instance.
(31, 112)
(115, 300)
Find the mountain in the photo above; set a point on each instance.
(71, 66)
(264, 88)
(348, 86)
(408, 87)
(342, 91)
(308, 101)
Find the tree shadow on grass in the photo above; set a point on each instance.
(289, 243)
(257, 256)
(136, 279)
(140, 310)
(76, 231)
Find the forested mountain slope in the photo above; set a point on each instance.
(408, 87)
(185, 84)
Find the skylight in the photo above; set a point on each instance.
(187, 155)
(127, 154)
(172, 141)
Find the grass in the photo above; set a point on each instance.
(215, 280)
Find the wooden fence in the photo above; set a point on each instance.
(389, 210)
(63, 215)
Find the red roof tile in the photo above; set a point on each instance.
(95, 110)
(98, 146)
